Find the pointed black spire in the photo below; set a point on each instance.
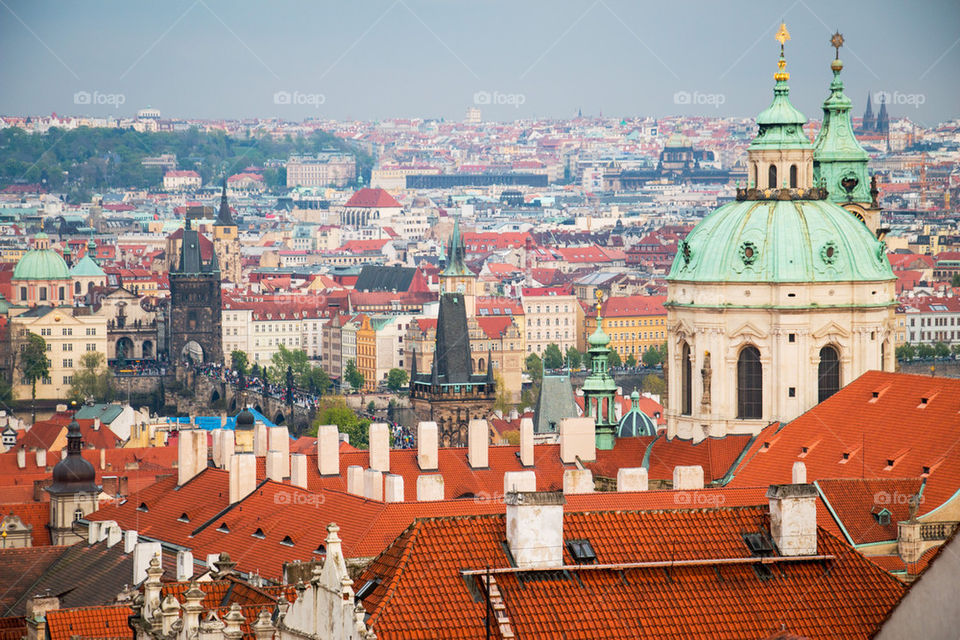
(413, 367)
(490, 379)
(883, 119)
(869, 122)
(224, 217)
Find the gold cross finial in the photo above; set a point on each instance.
(836, 41)
(782, 35)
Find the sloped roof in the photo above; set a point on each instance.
(380, 278)
(555, 402)
(368, 197)
(846, 596)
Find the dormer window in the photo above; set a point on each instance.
(142, 507)
(287, 540)
(223, 528)
(183, 518)
(258, 534)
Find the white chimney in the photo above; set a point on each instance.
(392, 488)
(260, 439)
(142, 554)
(228, 446)
(41, 456)
(191, 454)
(243, 476)
(275, 466)
(184, 565)
(112, 532)
(380, 446)
(373, 485)
(63, 453)
(688, 478)
(577, 481)
(355, 480)
(103, 459)
(430, 487)
(280, 441)
(799, 473)
(298, 470)
(478, 441)
(526, 442)
(129, 540)
(216, 436)
(634, 479)
(577, 440)
(535, 529)
(21, 458)
(93, 532)
(522, 481)
(328, 450)
(427, 446)
(96, 424)
(793, 518)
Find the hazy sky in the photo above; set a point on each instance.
(373, 59)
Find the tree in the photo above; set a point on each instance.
(93, 379)
(552, 357)
(906, 352)
(502, 401)
(614, 359)
(955, 349)
(239, 361)
(925, 350)
(955, 280)
(352, 375)
(335, 411)
(534, 368)
(631, 361)
(293, 359)
(941, 350)
(574, 359)
(396, 379)
(34, 365)
(317, 382)
(289, 385)
(654, 355)
(654, 385)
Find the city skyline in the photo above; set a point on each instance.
(403, 58)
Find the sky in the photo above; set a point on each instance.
(515, 59)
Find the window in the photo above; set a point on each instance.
(749, 384)
(23, 294)
(43, 293)
(68, 346)
(68, 363)
(68, 331)
(793, 176)
(91, 331)
(772, 177)
(686, 372)
(77, 515)
(828, 373)
(91, 347)
(46, 332)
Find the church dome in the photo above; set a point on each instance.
(41, 264)
(635, 422)
(773, 241)
(245, 420)
(73, 474)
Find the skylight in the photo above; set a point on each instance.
(582, 551)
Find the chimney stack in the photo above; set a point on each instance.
(21, 458)
(184, 565)
(793, 518)
(688, 478)
(191, 454)
(380, 446)
(577, 440)
(430, 487)
(392, 488)
(526, 442)
(427, 446)
(635, 479)
(243, 476)
(522, 481)
(577, 481)
(228, 446)
(373, 484)
(130, 539)
(355, 480)
(103, 459)
(535, 528)
(41, 456)
(143, 552)
(275, 466)
(260, 439)
(799, 473)
(298, 470)
(478, 441)
(279, 438)
(328, 450)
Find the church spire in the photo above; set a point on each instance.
(224, 217)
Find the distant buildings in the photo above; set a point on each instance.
(181, 181)
(327, 169)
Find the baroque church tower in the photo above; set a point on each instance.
(777, 300)
(839, 162)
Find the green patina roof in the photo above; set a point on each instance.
(41, 264)
(455, 265)
(86, 267)
(790, 241)
(106, 412)
(781, 125)
(837, 155)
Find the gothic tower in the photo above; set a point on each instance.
(869, 122)
(456, 277)
(226, 241)
(839, 162)
(196, 332)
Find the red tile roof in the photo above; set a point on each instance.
(882, 425)
(422, 593)
(854, 503)
(89, 622)
(34, 514)
(372, 198)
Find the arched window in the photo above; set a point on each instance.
(793, 176)
(76, 288)
(828, 373)
(883, 355)
(686, 373)
(749, 384)
(772, 177)
(756, 179)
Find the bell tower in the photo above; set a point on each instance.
(74, 492)
(600, 389)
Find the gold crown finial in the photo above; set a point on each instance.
(782, 36)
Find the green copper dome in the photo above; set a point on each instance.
(781, 241)
(87, 268)
(41, 264)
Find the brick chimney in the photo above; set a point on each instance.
(535, 528)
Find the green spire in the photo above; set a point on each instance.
(600, 389)
(838, 159)
(455, 254)
(781, 125)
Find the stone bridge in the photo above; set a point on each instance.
(196, 394)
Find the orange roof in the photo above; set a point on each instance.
(372, 198)
(882, 425)
(422, 594)
(89, 622)
(34, 514)
(853, 503)
(625, 306)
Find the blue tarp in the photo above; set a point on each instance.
(213, 422)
